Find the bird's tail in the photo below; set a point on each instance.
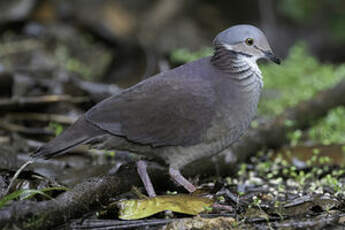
(78, 133)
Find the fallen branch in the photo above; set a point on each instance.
(83, 198)
(24, 130)
(44, 117)
(115, 224)
(25, 102)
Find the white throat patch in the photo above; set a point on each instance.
(251, 61)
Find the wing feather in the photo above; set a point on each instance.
(159, 111)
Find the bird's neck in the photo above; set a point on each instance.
(242, 68)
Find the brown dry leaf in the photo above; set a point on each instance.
(187, 204)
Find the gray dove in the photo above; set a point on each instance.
(182, 115)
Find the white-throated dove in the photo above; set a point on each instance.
(182, 115)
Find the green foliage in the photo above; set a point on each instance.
(25, 194)
(72, 64)
(110, 154)
(294, 137)
(56, 128)
(331, 129)
(332, 182)
(299, 10)
(256, 201)
(309, 12)
(299, 77)
(29, 193)
(314, 178)
(243, 169)
(184, 55)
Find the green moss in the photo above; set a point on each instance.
(299, 77)
(331, 129)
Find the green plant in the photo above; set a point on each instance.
(56, 128)
(299, 77)
(308, 12)
(29, 193)
(331, 129)
(294, 137)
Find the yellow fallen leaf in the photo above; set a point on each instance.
(187, 204)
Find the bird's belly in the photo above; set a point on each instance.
(226, 128)
(219, 137)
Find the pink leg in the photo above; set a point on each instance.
(144, 176)
(179, 179)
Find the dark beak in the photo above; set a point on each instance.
(272, 57)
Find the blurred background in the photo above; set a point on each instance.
(123, 41)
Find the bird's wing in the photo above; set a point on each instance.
(159, 111)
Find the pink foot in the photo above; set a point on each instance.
(179, 179)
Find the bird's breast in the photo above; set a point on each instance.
(236, 108)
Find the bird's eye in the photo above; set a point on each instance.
(249, 41)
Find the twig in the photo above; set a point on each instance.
(25, 130)
(17, 174)
(20, 103)
(115, 224)
(43, 117)
(84, 197)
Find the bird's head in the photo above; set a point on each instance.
(246, 40)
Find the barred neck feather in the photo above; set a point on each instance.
(240, 66)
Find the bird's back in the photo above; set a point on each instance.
(171, 109)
